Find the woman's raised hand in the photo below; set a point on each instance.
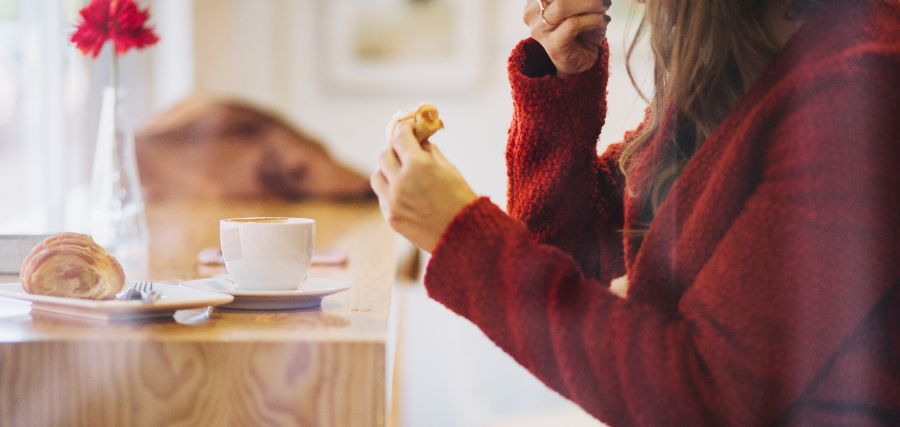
(419, 190)
(571, 31)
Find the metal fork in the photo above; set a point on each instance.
(148, 295)
(128, 294)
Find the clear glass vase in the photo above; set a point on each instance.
(118, 221)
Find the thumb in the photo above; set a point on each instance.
(593, 36)
(572, 27)
(404, 142)
(438, 154)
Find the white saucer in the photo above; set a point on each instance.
(308, 296)
(173, 298)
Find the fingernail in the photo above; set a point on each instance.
(607, 3)
(607, 18)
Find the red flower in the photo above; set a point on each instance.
(118, 20)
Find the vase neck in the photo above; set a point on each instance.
(115, 100)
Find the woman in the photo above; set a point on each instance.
(754, 214)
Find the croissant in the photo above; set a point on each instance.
(71, 265)
(426, 121)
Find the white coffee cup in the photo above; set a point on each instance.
(267, 253)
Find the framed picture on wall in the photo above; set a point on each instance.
(402, 46)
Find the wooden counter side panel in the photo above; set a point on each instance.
(191, 384)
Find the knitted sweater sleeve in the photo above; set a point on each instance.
(809, 257)
(559, 188)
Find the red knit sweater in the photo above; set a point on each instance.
(767, 289)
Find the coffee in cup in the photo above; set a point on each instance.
(267, 253)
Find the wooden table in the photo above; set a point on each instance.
(213, 366)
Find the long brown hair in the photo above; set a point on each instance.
(706, 54)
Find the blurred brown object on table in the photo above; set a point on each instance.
(206, 148)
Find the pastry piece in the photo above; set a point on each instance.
(426, 121)
(71, 265)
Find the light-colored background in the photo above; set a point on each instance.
(270, 52)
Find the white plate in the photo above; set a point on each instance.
(172, 298)
(308, 296)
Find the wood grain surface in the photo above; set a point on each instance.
(323, 367)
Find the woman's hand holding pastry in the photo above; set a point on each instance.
(571, 31)
(419, 190)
